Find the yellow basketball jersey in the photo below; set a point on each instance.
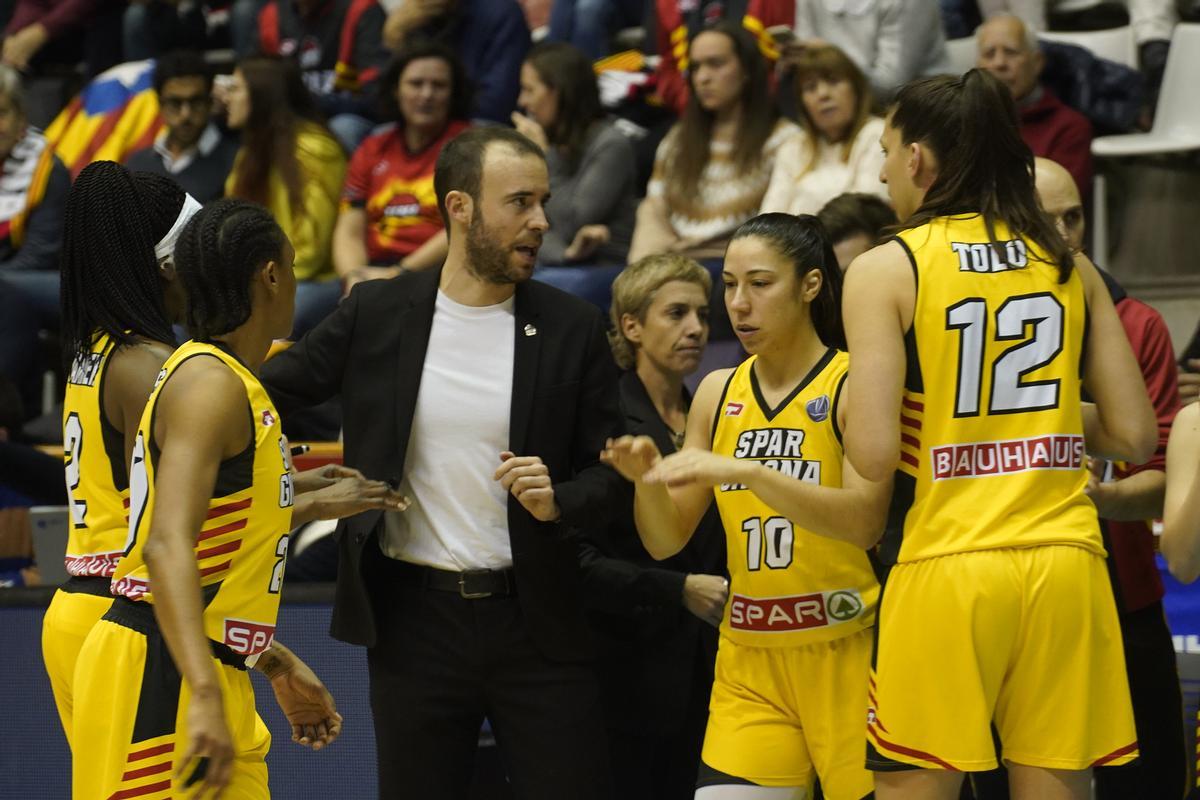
(788, 585)
(94, 458)
(241, 549)
(992, 448)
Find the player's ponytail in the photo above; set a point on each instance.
(110, 278)
(983, 166)
(802, 241)
(219, 252)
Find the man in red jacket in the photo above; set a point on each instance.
(1010, 51)
(1127, 496)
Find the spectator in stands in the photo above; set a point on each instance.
(593, 192)
(59, 32)
(1151, 20)
(32, 196)
(677, 22)
(840, 149)
(339, 49)
(1009, 50)
(892, 41)
(590, 24)
(152, 27)
(490, 36)
(389, 220)
(656, 620)
(290, 163)
(713, 168)
(855, 223)
(1126, 496)
(190, 148)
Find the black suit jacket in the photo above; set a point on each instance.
(371, 351)
(652, 647)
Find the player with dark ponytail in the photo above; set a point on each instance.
(973, 334)
(119, 300)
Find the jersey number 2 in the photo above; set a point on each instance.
(73, 452)
(1010, 393)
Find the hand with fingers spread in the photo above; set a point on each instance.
(694, 466)
(705, 596)
(208, 761)
(528, 479)
(632, 456)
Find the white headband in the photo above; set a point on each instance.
(166, 246)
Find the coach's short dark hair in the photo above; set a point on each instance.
(181, 64)
(460, 164)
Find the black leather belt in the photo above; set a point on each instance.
(473, 584)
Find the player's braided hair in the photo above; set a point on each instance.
(110, 277)
(218, 254)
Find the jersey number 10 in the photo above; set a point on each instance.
(777, 534)
(1010, 393)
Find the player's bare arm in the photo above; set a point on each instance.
(878, 298)
(1181, 512)
(1124, 426)
(201, 420)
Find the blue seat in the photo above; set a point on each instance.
(593, 284)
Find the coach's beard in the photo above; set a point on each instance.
(487, 259)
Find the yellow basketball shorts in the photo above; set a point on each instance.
(131, 721)
(68, 620)
(780, 716)
(1026, 639)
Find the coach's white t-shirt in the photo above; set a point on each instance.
(458, 519)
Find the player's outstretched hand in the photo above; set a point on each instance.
(631, 456)
(348, 496)
(528, 479)
(208, 763)
(308, 706)
(693, 465)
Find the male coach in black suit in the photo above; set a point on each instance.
(488, 398)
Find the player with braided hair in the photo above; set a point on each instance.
(119, 298)
(211, 505)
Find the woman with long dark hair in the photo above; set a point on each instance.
(713, 168)
(389, 220)
(764, 441)
(290, 163)
(592, 166)
(973, 334)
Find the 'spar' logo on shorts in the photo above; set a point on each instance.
(795, 612)
(734, 409)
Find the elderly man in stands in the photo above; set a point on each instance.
(32, 197)
(1009, 50)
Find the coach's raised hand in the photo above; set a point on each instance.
(529, 481)
(632, 456)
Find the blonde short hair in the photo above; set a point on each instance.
(634, 289)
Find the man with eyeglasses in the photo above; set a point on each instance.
(190, 148)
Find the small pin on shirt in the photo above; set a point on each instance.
(530, 330)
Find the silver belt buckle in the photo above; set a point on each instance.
(462, 585)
